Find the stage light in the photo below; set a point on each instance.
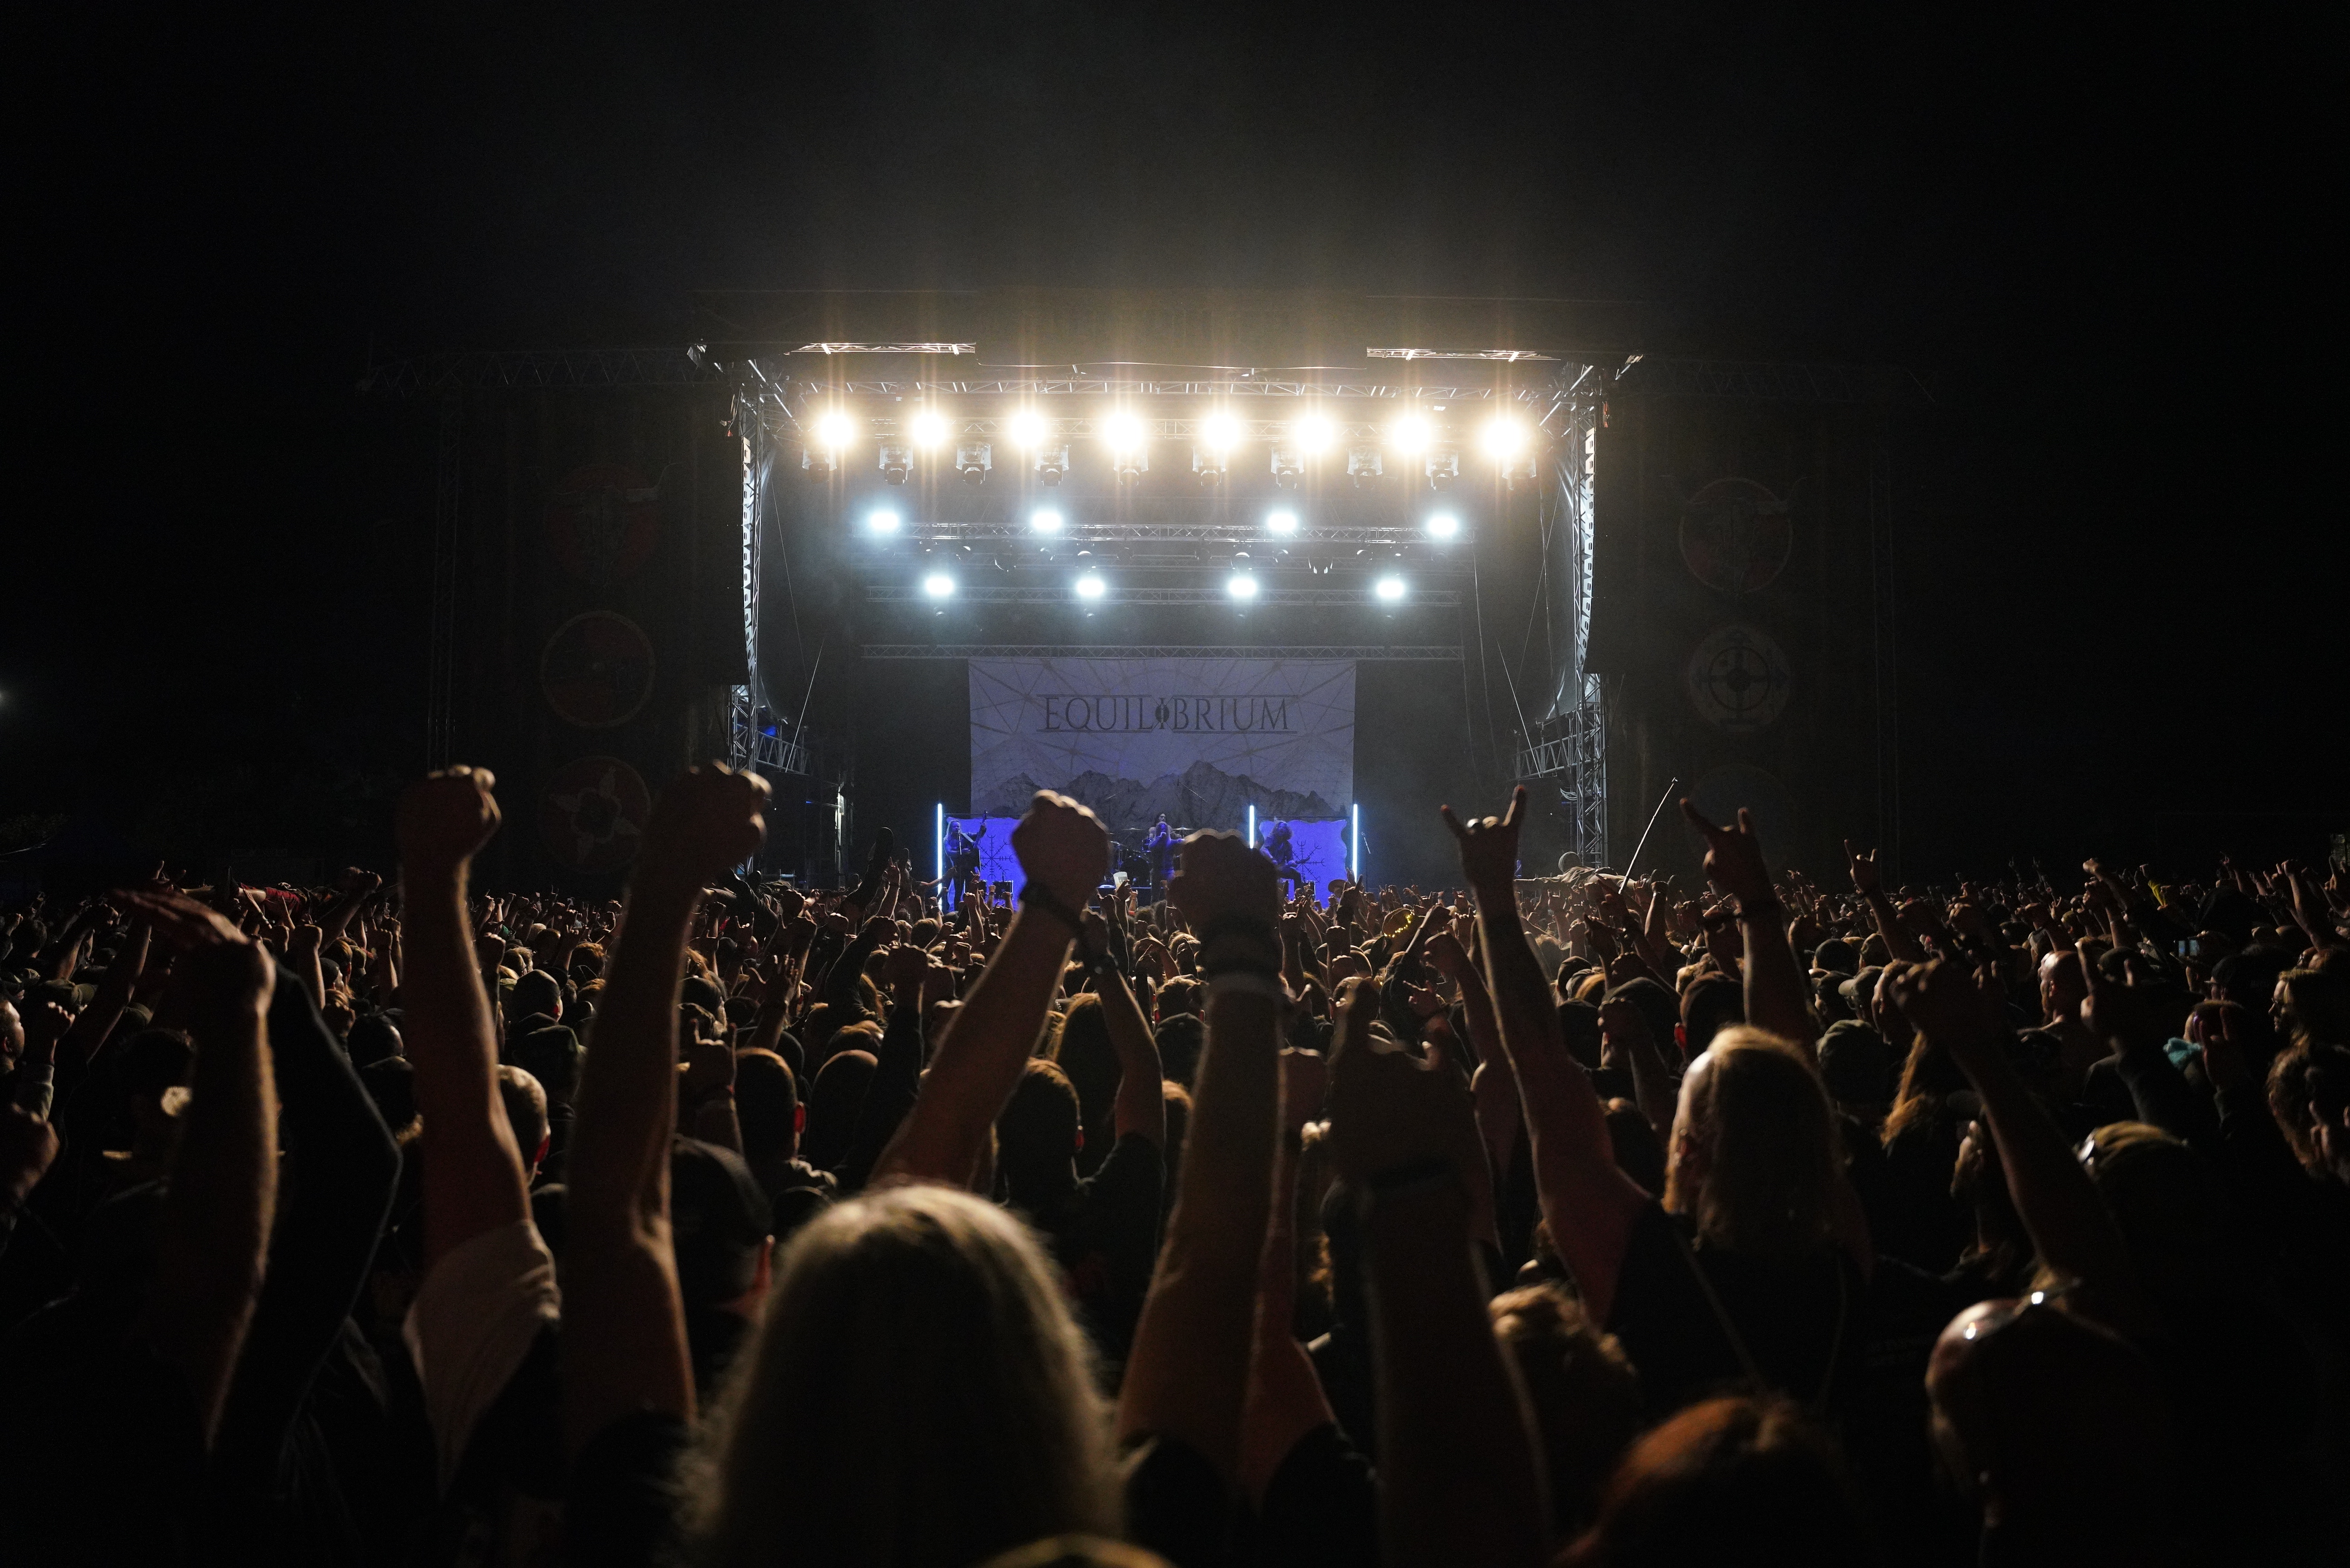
(1125, 433)
(1220, 431)
(834, 430)
(1502, 438)
(1026, 428)
(1409, 435)
(882, 520)
(1315, 434)
(1442, 467)
(1208, 463)
(1282, 521)
(1044, 520)
(1051, 464)
(1390, 590)
(929, 429)
(1241, 586)
(939, 586)
(1443, 526)
(897, 461)
(1091, 586)
(972, 459)
(1363, 466)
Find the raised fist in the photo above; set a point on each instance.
(1062, 846)
(1218, 876)
(707, 820)
(444, 818)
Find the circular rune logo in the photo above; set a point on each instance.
(597, 670)
(592, 813)
(602, 521)
(1737, 679)
(1735, 536)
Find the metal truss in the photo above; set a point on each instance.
(1156, 532)
(1444, 653)
(1571, 747)
(989, 595)
(544, 367)
(1078, 383)
(750, 744)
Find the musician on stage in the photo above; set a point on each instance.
(962, 859)
(1160, 845)
(1277, 846)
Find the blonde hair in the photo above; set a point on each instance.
(1766, 1182)
(916, 1394)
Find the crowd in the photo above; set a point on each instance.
(1588, 1222)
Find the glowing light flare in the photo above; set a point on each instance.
(1409, 435)
(1390, 590)
(1026, 428)
(1044, 520)
(1242, 586)
(1125, 433)
(939, 586)
(883, 521)
(929, 429)
(1091, 586)
(1315, 434)
(1443, 526)
(834, 429)
(1503, 439)
(1220, 431)
(1282, 521)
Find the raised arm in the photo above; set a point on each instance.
(473, 1180)
(96, 1022)
(1187, 1375)
(1141, 1103)
(1589, 1203)
(624, 1349)
(978, 1062)
(1777, 996)
(2068, 1222)
(1459, 1483)
(1870, 883)
(214, 1232)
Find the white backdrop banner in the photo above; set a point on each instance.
(1198, 739)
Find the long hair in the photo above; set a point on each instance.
(1927, 1080)
(1764, 1175)
(916, 1395)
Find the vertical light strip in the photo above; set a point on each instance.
(1355, 845)
(939, 850)
(1251, 824)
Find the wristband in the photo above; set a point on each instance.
(1092, 963)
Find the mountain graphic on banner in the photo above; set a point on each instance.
(1201, 795)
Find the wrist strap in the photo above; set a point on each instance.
(1090, 961)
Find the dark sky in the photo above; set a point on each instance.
(2102, 238)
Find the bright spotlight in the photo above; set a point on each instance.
(1282, 521)
(1503, 439)
(1220, 431)
(1241, 585)
(883, 521)
(1026, 428)
(929, 429)
(834, 429)
(1315, 435)
(1443, 526)
(1124, 433)
(1409, 435)
(939, 586)
(1390, 590)
(1091, 586)
(1044, 520)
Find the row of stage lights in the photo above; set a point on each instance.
(884, 521)
(1240, 588)
(1506, 440)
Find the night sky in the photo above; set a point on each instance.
(2122, 592)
